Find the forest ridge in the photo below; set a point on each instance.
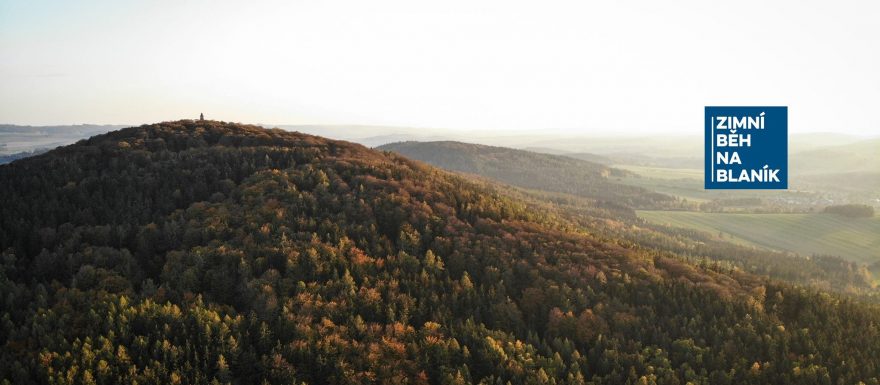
(194, 252)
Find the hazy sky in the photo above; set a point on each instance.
(580, 66)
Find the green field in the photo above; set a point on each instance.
(807, 234)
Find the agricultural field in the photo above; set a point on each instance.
(855, 239)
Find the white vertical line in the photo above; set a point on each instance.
(712, 153)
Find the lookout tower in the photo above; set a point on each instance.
(201, 116)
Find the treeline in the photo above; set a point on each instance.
(851, 210)
(206, 252)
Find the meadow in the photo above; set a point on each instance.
(855, 239)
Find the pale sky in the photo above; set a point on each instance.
(609, 67)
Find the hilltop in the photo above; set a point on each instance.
(212, 252)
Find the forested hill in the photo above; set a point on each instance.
(207, 252)
(533, 170)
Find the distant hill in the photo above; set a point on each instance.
(672, 151)
(815, 140)
(21, 155)
(369, 135)
(532, 170)
(600, 159)
(66, 130)
(546, 150)
(199, 252)
(21, 140)
(861, 156)
(852, 169)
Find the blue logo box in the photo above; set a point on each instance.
(746, 148)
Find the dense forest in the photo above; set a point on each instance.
(196, 252)
(587, 193)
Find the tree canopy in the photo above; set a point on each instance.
(195, 252)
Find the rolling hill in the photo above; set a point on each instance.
(860, 156)
(21, 140)
(533, 170)
(211, 252)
